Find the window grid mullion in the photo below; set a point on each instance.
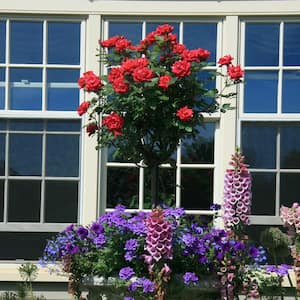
(44, 76)
(5, 208)
(7, 59)
(141, 188)
(280, 74)
(277, 199)
(178, 176)
(43, 184)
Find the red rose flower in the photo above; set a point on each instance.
(120, 86)
(164, 81)
(83, 107)
(114, 122)
(90, 82)
(181, 68)
(114, 74)
(235, 72)
(91, 128)
(225, 60)
(122, 44)
(178, 48)
(130, 64)
(185, 113)
(164, 29)
(142, 74)
(195, 55)
(111, 42)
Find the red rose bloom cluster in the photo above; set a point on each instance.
(114, 122)
(185, 113)
(83, 107)
(234, 72)
(90, 82)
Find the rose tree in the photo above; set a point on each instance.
(155, 94)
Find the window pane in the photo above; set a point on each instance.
(290, 90)
(122, 187)
(200, 149)
(2, 41)
(260, 92)
(62, 155)
(152, 26)
(26, 125)
(259, 145)
(209, 81)
(263, 193)
(289, 189)
(2, 124)
(61, 204)
(196, 188)
(26, 89)
(2, 154)
(1, 200)
(62, 36)
(63, 92)
(25, 154)
(201, 35)
(131, 31)
(262, 45)
(290, 147)
(166, 187)
(23, 245)
(2, 88)
(26, 42)
(65, 125)
(291, 50)
(24, 200)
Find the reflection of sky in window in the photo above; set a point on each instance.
(259, 153)
(26, 89)
(262, 44)
(59, 162)
(64, 125)
(209, 83)
(28, 125)
(131, 31)
(290, 92)
(150, 26)
(290, 147)
(289, 189)
(26, 42)
(25, 154)
(201, 35)
(260, 92)
(2, 41)
(291, 49)
(62, 36)
(2, 125)
(62, 92)
(2, 88)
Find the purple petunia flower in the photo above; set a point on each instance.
(82, 232)
(128, 298)
(129, 255)
(97, 228)
(148, 285)
(99, 241)
(126, 273)
(190, 277)
(131, 245)
(253, 251)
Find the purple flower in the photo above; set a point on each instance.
(128, 298)
(281, 270)
(215, 207)
(72, 249)
(82, 232)
(253, 251)
(131, 245)
(126, 273)
(99, 241)
(69, 228)
(190, 277)
(148, 285)
(97, 228)
(133, 286)
(129, 256)
(188, 239)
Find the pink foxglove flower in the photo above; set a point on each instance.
(237, 193)
(159, 237)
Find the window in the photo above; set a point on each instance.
(191, 184)
(269, 114)
(40, 62)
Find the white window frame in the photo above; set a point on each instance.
(7, 114)
(276, 118)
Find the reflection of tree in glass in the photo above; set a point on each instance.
(166, 187)
(200, 150)
(122, 187)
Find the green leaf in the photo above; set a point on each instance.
(188, 129)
